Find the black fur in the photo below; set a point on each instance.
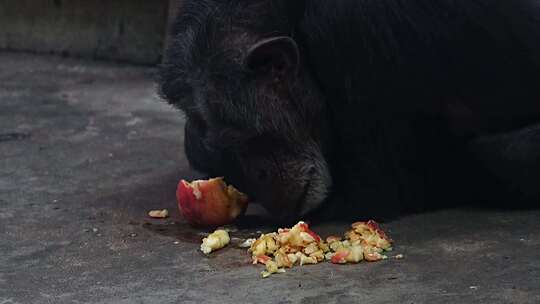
(392, 98)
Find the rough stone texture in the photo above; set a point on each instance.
(86, 149)
(125, 30)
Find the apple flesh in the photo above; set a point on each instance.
(210, 202)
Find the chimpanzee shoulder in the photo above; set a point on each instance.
(370, 50)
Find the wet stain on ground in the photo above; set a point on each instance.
(189, 234)
(180, 231)
(5, 137)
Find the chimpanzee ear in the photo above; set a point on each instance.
(278, 54)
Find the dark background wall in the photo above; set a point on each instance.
(123, 30)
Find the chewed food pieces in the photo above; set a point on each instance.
(370, 233)
(266, 244)
(271, 268)
(366, 241)
(288, 247)
(215, 241)
(247, 243)
(300, 245)
(347, 254)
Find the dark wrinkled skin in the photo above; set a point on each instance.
(364, 107)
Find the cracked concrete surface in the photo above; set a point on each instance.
(86, 149)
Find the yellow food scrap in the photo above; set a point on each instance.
(305, 260)
(159, 214)
(247, 243)
(215, 241)
(271, 268)
(266, 244)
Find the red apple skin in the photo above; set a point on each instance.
(306, 229)
(373, 225)
(340, 257)
(215, 204)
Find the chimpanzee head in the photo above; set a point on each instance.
(254, 114)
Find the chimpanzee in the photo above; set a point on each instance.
(365, 107)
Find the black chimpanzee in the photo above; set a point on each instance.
(373, 106)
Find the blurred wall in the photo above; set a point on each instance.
(123, 30)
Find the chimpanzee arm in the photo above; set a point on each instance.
(514, 158)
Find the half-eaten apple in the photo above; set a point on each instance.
(210, 202)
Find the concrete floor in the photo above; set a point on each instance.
(86, 149)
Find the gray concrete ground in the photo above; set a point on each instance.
(86, 149)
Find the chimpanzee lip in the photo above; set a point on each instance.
(285, 214)
(301, 200)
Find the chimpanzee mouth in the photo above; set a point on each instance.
(314, 195)
(318, 182)
(301, 202)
